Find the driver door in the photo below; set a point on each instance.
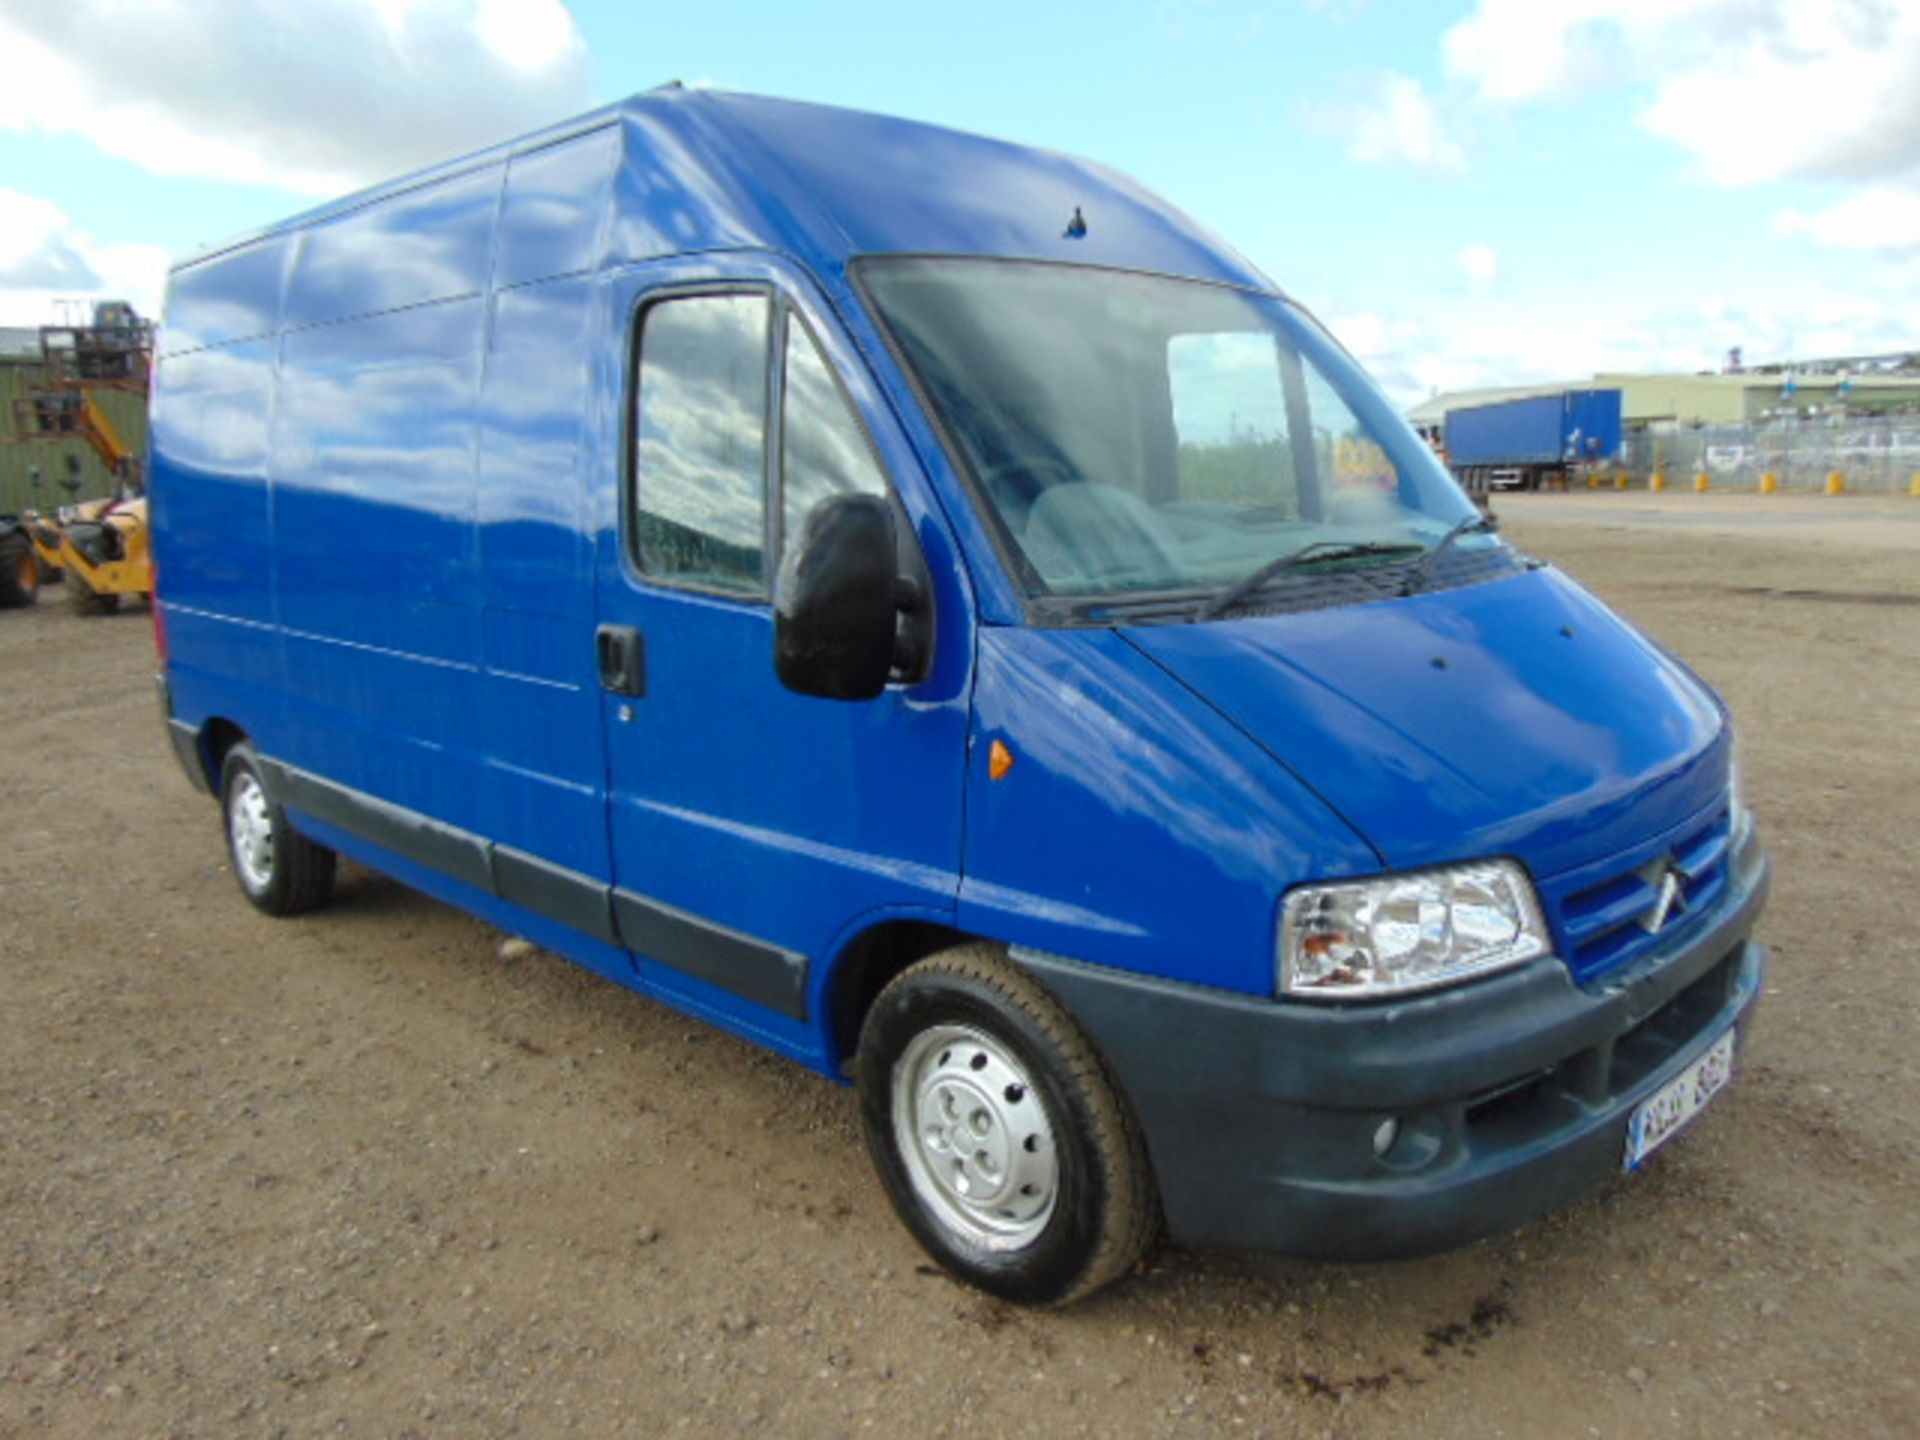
(753, 829)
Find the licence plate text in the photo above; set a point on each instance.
(1662, 1113)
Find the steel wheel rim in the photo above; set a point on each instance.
(976, 1137)
(250, 828)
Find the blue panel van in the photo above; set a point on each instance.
(924, 604)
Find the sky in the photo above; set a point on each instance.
(1468, 192)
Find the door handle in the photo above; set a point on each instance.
(621, 652)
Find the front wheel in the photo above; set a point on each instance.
(1002, 1141)
(279, 869)
(85, 600)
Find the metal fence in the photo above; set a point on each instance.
(1874, 456)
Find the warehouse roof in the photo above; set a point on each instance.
(1433, 410)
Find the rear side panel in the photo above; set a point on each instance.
(373, 483)
(378, 583)
(373, 519)
(212, 421)
(537, 728)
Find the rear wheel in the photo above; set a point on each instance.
(279, 869)
(1002, 1141)
(19, 570)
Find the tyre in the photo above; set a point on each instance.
(279, 869)
(48, 539)
(86, 600)
(19, 570)
(1001, 1140)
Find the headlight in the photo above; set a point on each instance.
(1740, 819)
(1388, 936)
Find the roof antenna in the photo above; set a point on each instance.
(1076, 227)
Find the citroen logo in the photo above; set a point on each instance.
(1672, 900)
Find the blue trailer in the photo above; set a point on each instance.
(1531, 439)
(925, 605)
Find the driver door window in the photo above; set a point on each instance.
(700, 429)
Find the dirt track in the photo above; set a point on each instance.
(363, 1174)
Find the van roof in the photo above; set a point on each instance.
(831, 184)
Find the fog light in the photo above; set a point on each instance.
(1384, 1135)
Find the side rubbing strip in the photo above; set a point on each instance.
(751, 969)
(554, 891)
(453, 852)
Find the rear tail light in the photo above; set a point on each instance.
(159, 618)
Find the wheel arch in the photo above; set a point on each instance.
(865, 965)
(216, 739)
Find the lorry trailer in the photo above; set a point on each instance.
(1530, 440)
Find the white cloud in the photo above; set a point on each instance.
(1882, 217)
(532, 36)
(1754, 90)
(320, 96)
(1823, 91)
(1480, 263)
(44, 260)
(1512, 50)
(36, 247)
(1398, 124)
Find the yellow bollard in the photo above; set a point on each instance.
(1770, 483)
(1620, 480)
(1593, 480)
(1913, 485)
(1657, 481)
(1836, 483)
(1701, 484)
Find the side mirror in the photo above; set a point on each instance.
(836, 603)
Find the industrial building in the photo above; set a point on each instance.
(67, 459)
(1837, 425)
(1734, 398)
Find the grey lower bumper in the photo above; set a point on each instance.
(1510, 1095)
(183, 737)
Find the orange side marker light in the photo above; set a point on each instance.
(999, 760)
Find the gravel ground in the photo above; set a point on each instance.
(379, 1172)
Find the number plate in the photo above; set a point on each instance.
(1657, 1117)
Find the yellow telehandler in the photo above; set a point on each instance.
(100, 547)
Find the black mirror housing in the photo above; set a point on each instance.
(836, 601)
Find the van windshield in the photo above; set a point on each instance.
(1136, 436)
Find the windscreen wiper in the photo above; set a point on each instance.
(1218, 605)
(1472, 525)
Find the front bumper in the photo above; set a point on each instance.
(1512, 1093)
